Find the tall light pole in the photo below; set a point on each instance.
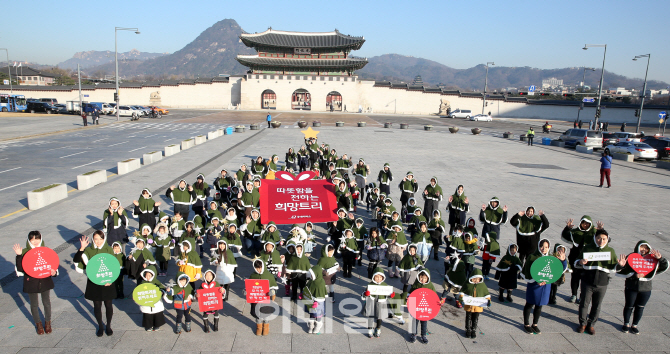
(116, 63)
(602, 76)
(584, 77)
(644, 90)
(486, 84)
(9, 71)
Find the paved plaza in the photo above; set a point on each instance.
(560, 182)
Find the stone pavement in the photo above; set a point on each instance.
(561, 183)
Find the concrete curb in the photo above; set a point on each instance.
(584, 149)
(151, 157)
(200, 139)
(187, 144)
(87, 181)
(37, 200)
(624, 157)
(128, 166)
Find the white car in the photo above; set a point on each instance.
(460, 113)
(128, 111)
(628, 137)
(638, 150)
(482, 117)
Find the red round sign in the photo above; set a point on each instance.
(642, 265)
(39, 261)
(423, 304)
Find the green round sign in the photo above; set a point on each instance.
(103, 268)
(147, 294)
(546, 269)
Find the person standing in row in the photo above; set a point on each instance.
(146, 209)
(36, 288)
(361, 172)
(529, 227)
(385, 177)
(115, 221)
(458, 207)
(492, 216)
(578, 237)
(432, 196)
(182, 196)
(408, 187)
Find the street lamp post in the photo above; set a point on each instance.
(584, 77)
(486, 84)
(116, 63)
(644, 89)
(602, 76)
(9, 71)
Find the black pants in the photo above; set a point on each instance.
(635, 301)
(469, 267)
(118, 284)
(109, 312)
(85, 121)
(269, 124)
(184, 210)
(371, 268)
(349, 259)
(575, 279)
(424, 327)
(298, 281)
(530, 141)
(186, 314)
(486, 267)
(35, 306)
(537, 313)
(553, 292)
(595, 293)
(361, 244)
(404, 197)
(429, 206)
(163, 266)
(153, 320)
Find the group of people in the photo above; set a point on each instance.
(221, 223)
(597, 125)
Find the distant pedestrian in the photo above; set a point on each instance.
(575, 124)
(96, 117)
(530, 135)
(601, 126)
(623, 127)
(591, 125)
(269, 119)
(580, 124)
(607, 126)
(83, 116)
(605, 168)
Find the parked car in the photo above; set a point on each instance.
(630, 137)
(583, 137)
(104, 108)
(160, 110)
(609, 139)
(460, 113)
(129, 111)
(638, 150)
(143, 111)
(36, 107)
(61, 108)
(661, 144)
(51, 101)
(481, 117)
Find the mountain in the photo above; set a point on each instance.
(213, 52)
(95, 58)
(395, 67)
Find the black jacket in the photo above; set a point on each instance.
(32, 285)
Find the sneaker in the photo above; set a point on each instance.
(577, 301)
(149, 329)
(378, 333)
(486, 277)
(625, 328)
(509, 298)
(370, 333)
(412, 338)
(156, 329)
(400, 320)
(536, 329)
(423, 339)
(528, 329)
(573, 299)
(458, 304)
(634, 330)
(600, 186)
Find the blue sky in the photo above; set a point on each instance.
(460, 34)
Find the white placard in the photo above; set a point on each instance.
(597, 256)
(332, 270)
(475, 301)
(384, 290)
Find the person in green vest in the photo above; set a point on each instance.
(246, 198)
(361, 172)
(272, 166)
(529, 226)
(146, 209)
(422, 282)
(409, 267)
(291, 160)
(251, 232)
(372, 195)
(375, 305)
(181, 295)
(408, 186)
(595, 279)
(491, 250)
(152, 316)
(224, 183)
(397, 243)
(530, 134)
(315, 293)
(411, 208)
(297, 267)
(360, 234)
(385, 177)
(436, 227)
(432, 196)
(558, 249)
(183, 196)
(163, 243)
(423, 242)
(201, 190)
(458, 207)
(271, 234)
(242, 176)
(577, 237)
(343, 196)
(416, 218)
(259, 168)
(506, 272)
(454, 279)
(349, 250)
(330, 267)
(476, 288)
(343, 164)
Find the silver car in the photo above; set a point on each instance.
(638, 150)
(583, 137)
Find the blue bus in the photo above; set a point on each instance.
(13, 103)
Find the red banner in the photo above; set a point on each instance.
(257, 290)
(293, 199)
(39, 261)
(642, 265)
(210, 299)
(423, 304)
